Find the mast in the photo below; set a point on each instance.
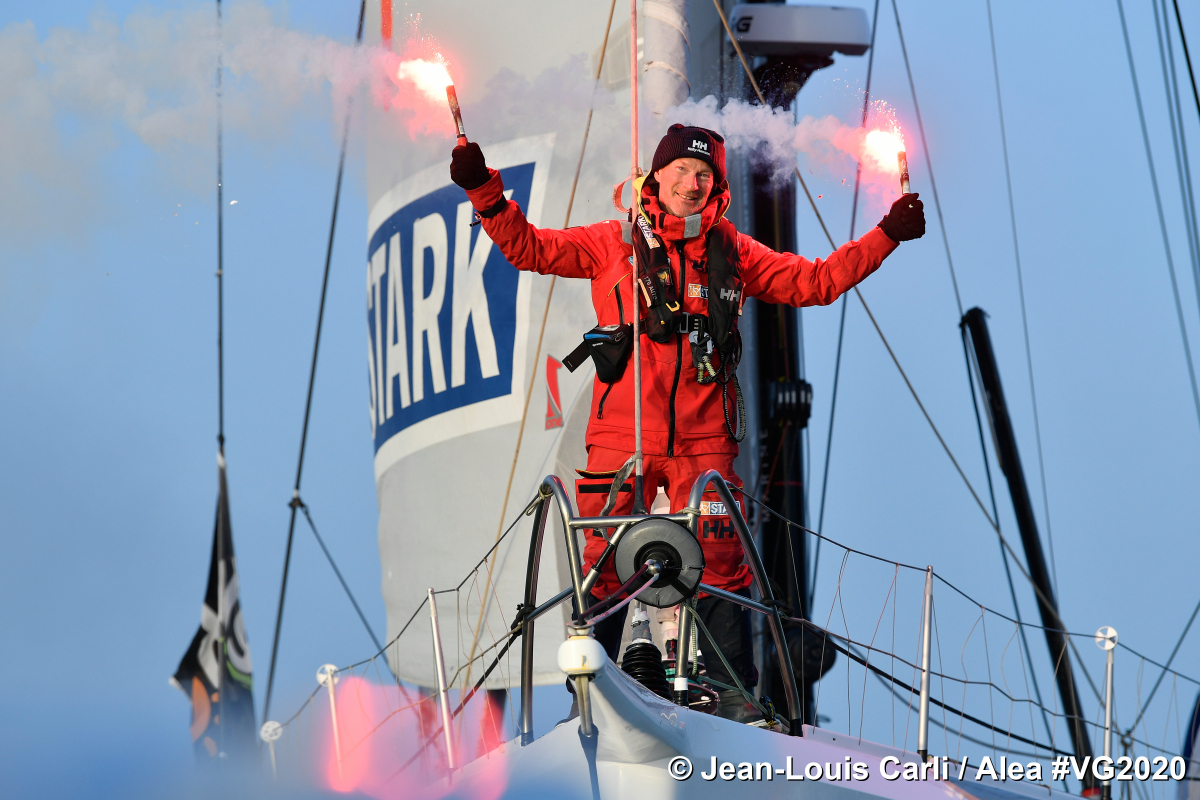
(1005, 441)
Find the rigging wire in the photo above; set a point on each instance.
(912, 391)
(220, 535)
(537, 353)
(1012, 215)
(837, 363)
(421, 605)
(1183, 169)
(1162, 222)
(515, 630)
(1032, 391)
(1179, 109)
(891, 684)
(338, 572)
(857, 292)
(296, 502)
(1012, 590)
(1186, 55)
(220, 250)
(937, 204)
(849, 652)
(1166, 667)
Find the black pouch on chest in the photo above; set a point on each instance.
(608, 346)
(654, 279)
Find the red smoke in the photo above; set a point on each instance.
(419, 74)
(381, 727)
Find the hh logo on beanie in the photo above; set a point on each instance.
(692, 142)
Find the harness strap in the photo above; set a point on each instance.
(685, 323)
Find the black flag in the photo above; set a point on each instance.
(215, 672)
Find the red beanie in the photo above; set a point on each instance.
(691, 142)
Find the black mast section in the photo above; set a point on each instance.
(975, 322)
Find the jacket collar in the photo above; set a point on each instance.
(671, 228)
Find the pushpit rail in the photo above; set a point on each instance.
(858, 650)
(552, 488)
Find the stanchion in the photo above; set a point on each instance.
(926, 629)
(327, 676)
(1106, 640)
(443, 692)
(270, 733)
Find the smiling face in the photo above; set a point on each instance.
(684, 186)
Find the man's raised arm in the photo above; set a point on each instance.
(572, 253)
(796, 281)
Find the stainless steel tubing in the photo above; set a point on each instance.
(593, 575)
(714, 478)
(627, 519)
(549, 604)
(443, 692)
(585, 705)
(683, 648)
(567, 512)
(734, 598)
(531, 581)
(926, 629)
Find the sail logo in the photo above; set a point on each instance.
(447, 315)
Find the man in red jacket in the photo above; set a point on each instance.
(696, 273)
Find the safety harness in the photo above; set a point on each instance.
(715, 341)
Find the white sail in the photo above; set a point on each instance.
(452, 344)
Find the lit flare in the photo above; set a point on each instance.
(430, 77)
(882, 149)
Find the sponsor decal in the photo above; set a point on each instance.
(715, 507)
(698, 290)
(647, 232)
(721, 528)
(447, 315)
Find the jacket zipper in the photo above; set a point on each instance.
(678, 363)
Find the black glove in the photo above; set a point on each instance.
(905, 221)
(467, 167)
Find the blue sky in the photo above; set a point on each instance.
(107, 348)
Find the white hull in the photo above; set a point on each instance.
(639, 734)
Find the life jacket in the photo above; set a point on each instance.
(714, 339)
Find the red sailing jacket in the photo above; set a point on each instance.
(680, 417)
